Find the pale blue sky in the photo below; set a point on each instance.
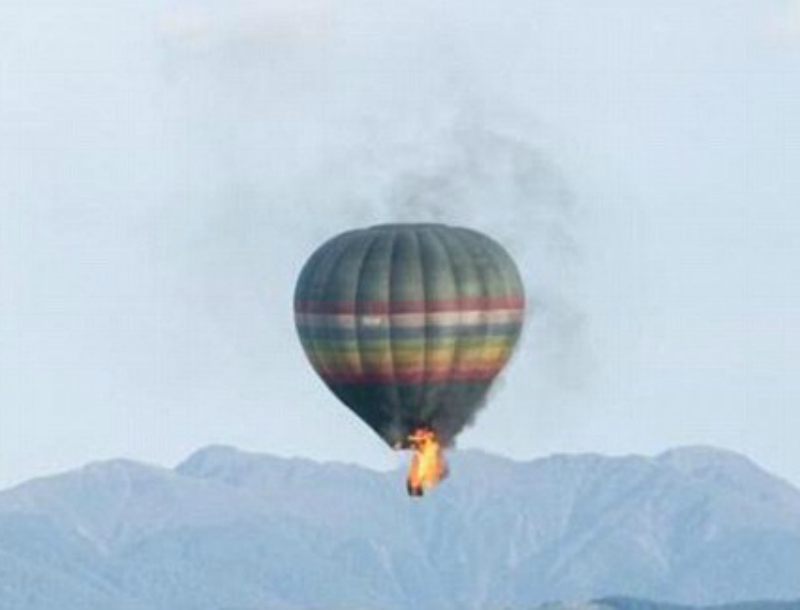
(165, 168)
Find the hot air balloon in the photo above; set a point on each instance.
(409, 325)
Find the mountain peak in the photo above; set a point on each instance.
(720, 466)
(209, 455)
(704, 456)
(238, 468)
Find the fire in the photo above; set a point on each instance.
(428, 466)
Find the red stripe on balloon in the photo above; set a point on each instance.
(412, 377)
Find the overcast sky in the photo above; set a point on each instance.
(166, 169)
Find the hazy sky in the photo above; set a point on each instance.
(166, 168)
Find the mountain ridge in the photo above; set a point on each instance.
(227, 528)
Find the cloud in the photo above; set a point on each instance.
(786, 24)
(200, 27)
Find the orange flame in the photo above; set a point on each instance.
(428, 466)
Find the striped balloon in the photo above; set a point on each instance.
(409, 324)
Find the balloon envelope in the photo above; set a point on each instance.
(408, 325)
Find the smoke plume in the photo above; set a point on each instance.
(318, 124)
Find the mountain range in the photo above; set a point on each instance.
(230, 530)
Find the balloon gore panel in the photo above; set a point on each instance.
(408, 325)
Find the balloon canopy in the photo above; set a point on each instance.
(409, 324)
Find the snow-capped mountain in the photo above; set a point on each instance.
(233, 530)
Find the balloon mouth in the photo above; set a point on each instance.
(410, 436)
